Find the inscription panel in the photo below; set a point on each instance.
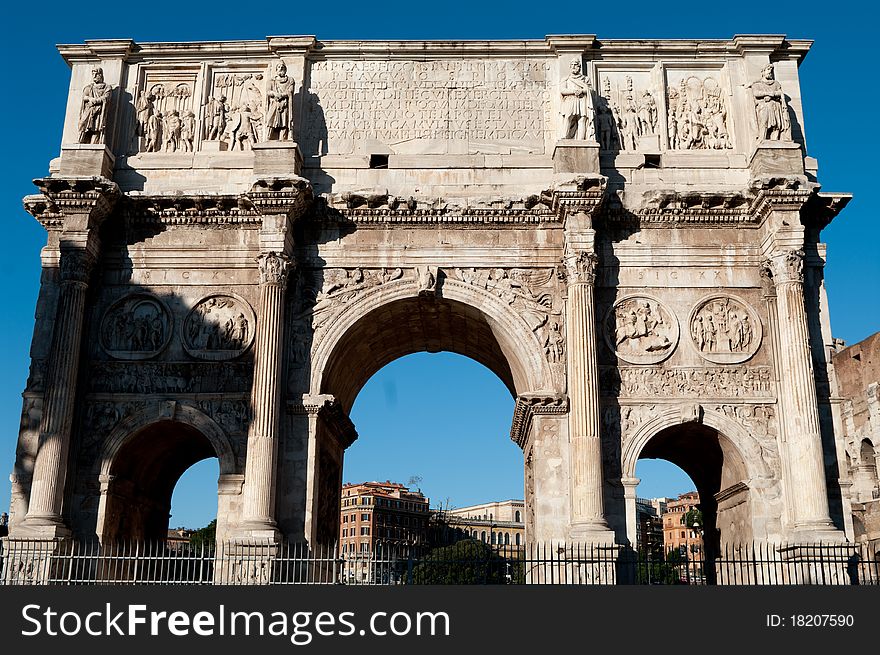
(493, 106)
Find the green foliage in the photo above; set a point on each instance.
(204, 536)
(466, 562)
(694, 519)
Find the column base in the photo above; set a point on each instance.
(41, 527)
(277, 159)
(574, 156)
(776, 158)
(596, 532)
(819, 532)
(256, 531)
(86, 159)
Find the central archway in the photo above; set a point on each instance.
(369, 334)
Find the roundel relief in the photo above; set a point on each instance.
(641, 330)
(219, 327)
(136, 327)
(725, 330)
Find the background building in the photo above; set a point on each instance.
(676, 534)
(498, 523)
(858, 384)
(649, 524)
(381, 512)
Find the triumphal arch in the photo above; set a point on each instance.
(627, 232)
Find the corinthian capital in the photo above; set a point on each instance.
(788, 266)
(580, 266)
(274, 268)
(76, 265)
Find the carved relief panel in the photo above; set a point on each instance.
(640, 329)
(165, 112)
(725, 330)
(234, 110)
(698, 110)
(627, 111)
(219, 327)
(137, 326)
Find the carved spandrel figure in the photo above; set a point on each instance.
(279, 105)
(606, 125)
(94, 107)
(577, 105)
(771, 109)
(153, 133)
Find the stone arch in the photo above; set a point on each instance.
(738, 487)
(518, 359)
(141, 462)
(393, 320)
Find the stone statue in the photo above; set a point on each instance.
(94, 107)
(577, 105)
(153, 133)
(771, 110)
(279, 100)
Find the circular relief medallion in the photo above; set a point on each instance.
(725, 330)
(641, 330)
(137, 326)
(220, 326)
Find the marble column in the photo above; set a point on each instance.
(50, 467)
(587, 502)
(797, 389)
(262, 449)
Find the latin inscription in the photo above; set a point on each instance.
(399, 101)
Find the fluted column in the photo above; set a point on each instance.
(797, 389)
(50, 467)
(262, 447)
(587, 503)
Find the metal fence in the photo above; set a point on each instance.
(24, 562)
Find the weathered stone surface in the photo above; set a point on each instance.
(621, 230)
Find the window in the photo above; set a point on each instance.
(483, 536)
(516, 538)
(365, 531)
(516, 516)
(365, 517)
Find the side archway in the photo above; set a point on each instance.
(141, 462)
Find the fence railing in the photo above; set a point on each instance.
(24, 562)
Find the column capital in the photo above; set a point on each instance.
(784, 267)
(326, 407)
(73, 204)
(580, 265)
(274, 268)
(76, 265)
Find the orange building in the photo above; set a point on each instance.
(676, 534)
(381, 512)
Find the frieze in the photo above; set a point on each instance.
(219, 327)
(685, 382)
(170, 377)
(138, 326)
(725, 330)
(641, 330)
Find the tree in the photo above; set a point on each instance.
(465, 562)
(206, 536)
(694, 519)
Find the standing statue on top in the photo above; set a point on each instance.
(577, 106)
(94, 108)
(771, 110)
(279, 111)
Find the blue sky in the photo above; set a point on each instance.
(838, 82)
